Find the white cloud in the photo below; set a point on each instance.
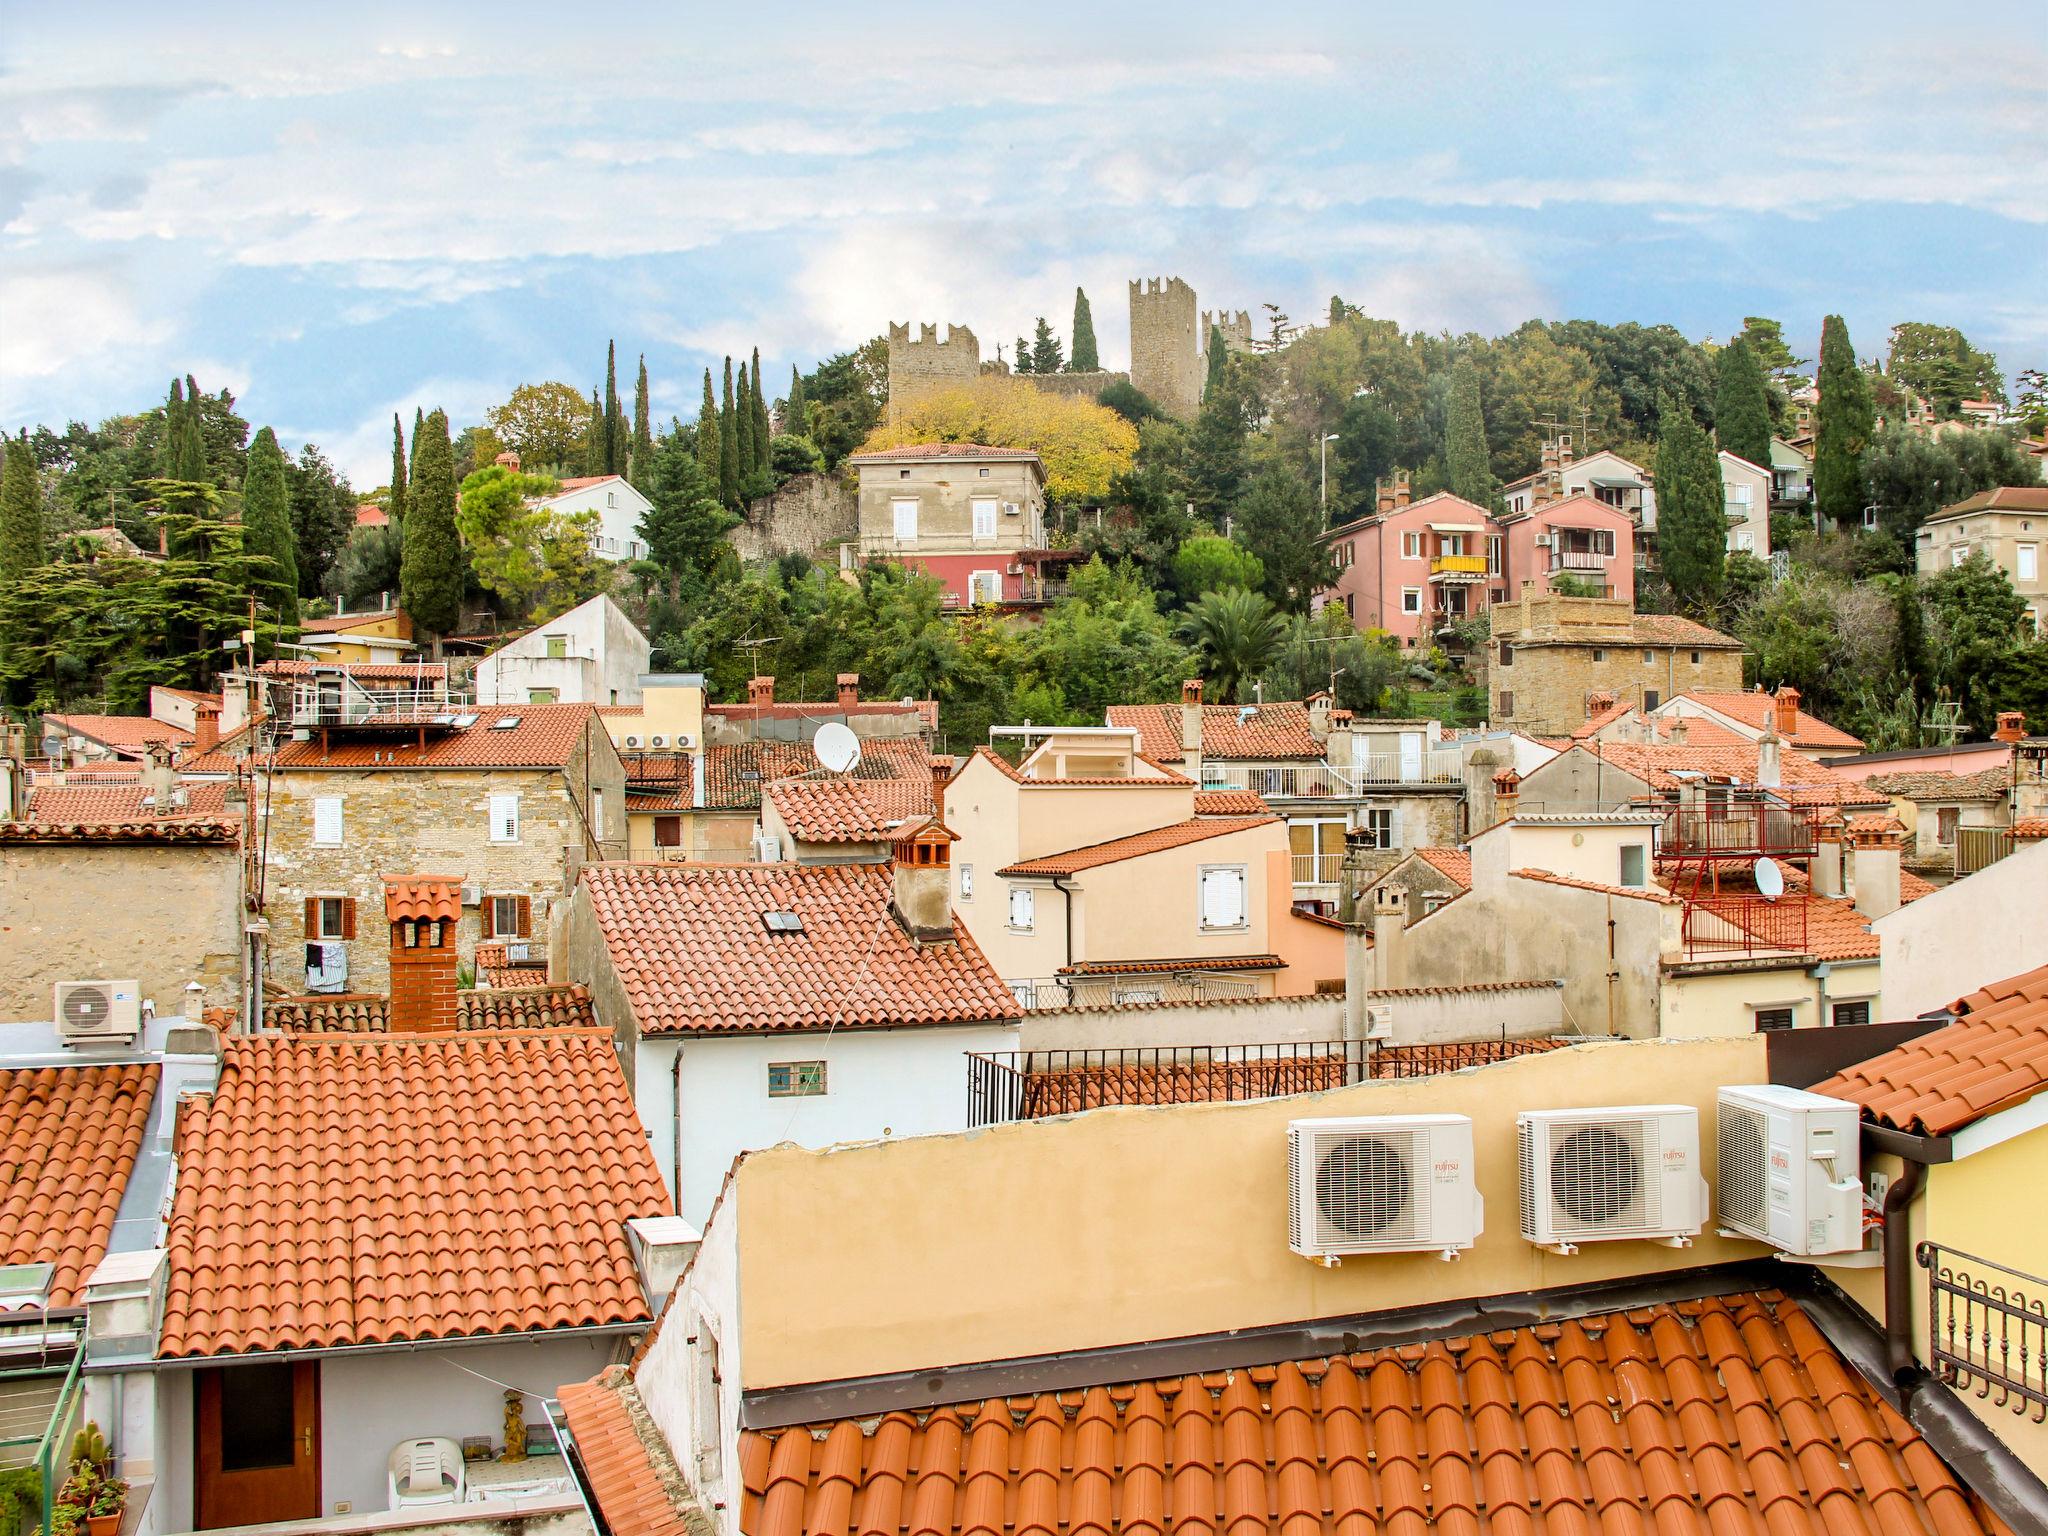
(63, 319)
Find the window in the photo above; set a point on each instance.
(542, 695)
(1411, 599)
(1651, 699)
(668, 831)
(1649, 658)
(1773, 1018)
(1450, 544)
(1852, 1013)
(1945, 822)
(1493, 554)
(984, 587)
(1695, 658)
(1378, 827)
(1507, 654)
(967, 882)
(2029, 563)
(1744, 539)
(611, 498)
(796, 1079)
(1599, 655)
(1870, 517)
(1959, 554)
(1223, 903)
(558, 647)
(1506, 703)
(1431, 903)
(1738, 495)
(504, 818)
(1023, 908)
(327, 821)
(1603, 541)
(330, 917)
(508, 917)
(1632, 866)
(984, 520)
(983, 473)
(1411, 546)
(906, 519)
(597, 810)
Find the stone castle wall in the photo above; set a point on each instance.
(809, 515)
(1166, 362)
(921, 364)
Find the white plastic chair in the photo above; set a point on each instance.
(427, 1471)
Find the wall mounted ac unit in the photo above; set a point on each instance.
(98, 1010)
(632, 741)
(684, 741)
(1543, 541)
(1789, 1169)
(472, 895)
(1011, 509)
(1379, 1021)
(326, 967)
(1381, 1184)
(1603, 1175)
(657, 741)
(767, 848)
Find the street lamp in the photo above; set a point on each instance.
(1323, 451)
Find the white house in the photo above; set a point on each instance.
(1746, 492)
(619, 509)
(761, 1003)
(593, 654)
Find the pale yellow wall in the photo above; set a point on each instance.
(672, 709)
(1150, 908)
(1054, 818)
(1583, 853)
(1120, 1225)
(945, 494)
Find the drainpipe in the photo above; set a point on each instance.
(1898, 1269)
(675, 1129)
(1067, 892)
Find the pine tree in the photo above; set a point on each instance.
(1742, 404)
(797, 409)
(394, 503)
(1045, 349)
(22, 544)
(1842, 428)
(267, 528)
(1083, 358)
(764, 430)
(1466, 463)
(1692, 525)
(430, 571)
(729, 470)
(1021, 363)
(641, 466)
(709, 434)
(1217, 354)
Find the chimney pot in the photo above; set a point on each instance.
(2011, 726)
(1787, 711)
(922, 897)
(849, 689)
(760, 691)
(1191, 727)
(422, 911)
(205, 729)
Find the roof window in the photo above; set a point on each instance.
(782, 922)
(505, 723)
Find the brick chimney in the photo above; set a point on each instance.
(422, 911)
(760, 691)
(1786, 713)
(1383, 494)
(1507, 794)
(1191, 728)
(849, 689)
(1824, 874)
(1564, 450)
(1877, 844)
(2011, 726)
(507, 460)
(1401, 490)
(205, 728)
(922, 862)
(1598, 702)
(942, 774)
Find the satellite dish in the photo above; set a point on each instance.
(1770, 880)
(836, 746)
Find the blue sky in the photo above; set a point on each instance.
(341, 215)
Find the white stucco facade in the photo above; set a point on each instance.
(619, 509)
(879, 1083)
(593, 654)
(1981, 929)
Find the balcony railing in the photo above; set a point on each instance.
(1317, 868)
(1012, 536)
(1108, 991)
(1744, 925)
(1461, 567)
(1978, 847)
(1748, 831)
(1323, 781)
(1579, 560)
(323, 704)
(44, 1448)
(1987, 1329)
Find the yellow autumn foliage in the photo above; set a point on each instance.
(1082, 443)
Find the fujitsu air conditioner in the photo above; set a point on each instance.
(632, 741)
(1379, 1021)
(98, 1010)
(1604, 1175)
(1790, 1174)
(1381, 1184)
(472, 895)
(657, 741)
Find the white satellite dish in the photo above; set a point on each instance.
(1770, 880)
(837, 747)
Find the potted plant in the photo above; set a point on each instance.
(110, 1498)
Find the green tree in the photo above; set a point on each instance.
(1974, 627)
(1020, 361)
(419, 425)
(1129, 402)
(22, 545)
(267, 536)
(1155, 522)
(1084, 358)
(1217, 462)
(369, 564)
(790, 455)
(597, 440)
(709, 437)
(323, 515)
(1842, 429)
(1466, 461)
(614, 423)
(184, 447)
(796, 410)
(731, 469)
(764, 430)
(1742, 404)
(1938, 363)
(1765, 339)
(1237, 631)
(1045, 349)
(394, 498)
(1692, 522)
(431, 571)
(1909, 475)
(685, 527)
(1210, 563)
(1278, 521)
(1215, 358)
(1368, 440)
(641, 464)
(507, 536)
(743, 427)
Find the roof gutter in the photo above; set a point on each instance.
(344, 1351)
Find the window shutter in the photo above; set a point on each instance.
(348, 917)
(312, 917)
(504, 818)
(1020, 907)
(327, 821)
(1394, 827)
(487, 909)
(526, 917)
(1222, 898)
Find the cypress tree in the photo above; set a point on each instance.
(183, 456)
(612, 434)
(728, 445)
(798, 409)
(395, 501)
(594, 437)
(1742, 404)
(174, 425)
(764, 431)
(22, 545)
(1217, 353)
(744, 413)
(430, 570)
(1692, 525)
(1466, 463)
(709, 433)
(267, 527)
(1842, 428)
(419, 425)
(641, 467)
(1082, 357)
(1022, 362)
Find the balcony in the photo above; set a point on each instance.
(1324, 781)
(889, 546)
(1717, 926)
(1579, 560)
(1978, 848)
(337, 702)
(1750, 830)
(1317, 868)
(1987, 1329)
(1458, 568)
(1109, 990)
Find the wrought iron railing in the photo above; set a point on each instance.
(1737, 831)
(1987, 1329)
(1744, 925)
(1324, 781)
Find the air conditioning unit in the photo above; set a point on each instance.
(767, 848)
(1543, 541)
(1790, 1174)
(657, 741)
(1604, 1175)
(632, 741)
(1379, 1021)
(472, 895)
(684, 740)
(1381, 1184)
(1011, 509)
(98, 1010)
(326, 967)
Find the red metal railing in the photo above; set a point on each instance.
(1744, 925)
(1737, 831)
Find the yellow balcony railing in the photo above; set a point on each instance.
(1458, 565)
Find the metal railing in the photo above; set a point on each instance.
(1013, 538)
(1324, 781)
(1737, 831)
(317, 704)
(1578, 560)
(1744, 925)
(1132, 987)
(1317, 868)
(1987, 1328)
(1458, 565)
(1979, 847)
(52, 1452)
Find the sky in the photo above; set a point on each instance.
(339, 213)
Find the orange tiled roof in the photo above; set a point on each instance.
(69, 1137)
(1993, 1057)
(151, 829)
(1188, 963)
(850, 810)
(338, 1190)
(1165, 777)
(425, 674)
(1454, 864)
(736, 773)
(1278, 730)
(583, 482)
(1137, 845)
(118, 802)
(1987, 784)
(695, 957)
(1670, 629)
(1800, 782)
(494, 970)
(1757, 709)
(1729, 1414)
(1551, 877)
(422, 896)
(523, 1004)
(336, 624)
(1228, 802)
(129, 735)
(2027, 828)
(639, 1490)
(546, 736)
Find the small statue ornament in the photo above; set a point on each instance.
(515, 1426)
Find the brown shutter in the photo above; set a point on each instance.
(348, 917)
(486, 909)
(526, 917)
(312, 918)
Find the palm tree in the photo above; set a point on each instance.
(1236, 632)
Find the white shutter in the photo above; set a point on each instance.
(1222, 898)
(967, 882)
(906, 521)
(1394, 827)
(596, 811)
(327, 821)
(984, 519)
(504, 818)
(1023, 907)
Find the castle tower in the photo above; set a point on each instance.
(1166, 362)
(917, 367)
(1236, 326)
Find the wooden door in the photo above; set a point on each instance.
(256, 1443)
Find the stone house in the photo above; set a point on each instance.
(2008, 525)
(1935, 806)
(510, 801)
(593, 654)
(1549, 657)
(1749, 715)
(970, 515)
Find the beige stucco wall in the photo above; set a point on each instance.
(163, 916)
(1967, 934)
(849, 1267)
(945, 493)
(1998, 536)
(1256, 1021)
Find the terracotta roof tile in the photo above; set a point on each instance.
(1730, 1414)
(119, 802)
(1755, 708)
(1550, 877)
(1138, 844)
(1993, 1057)
(129, 735)
(2001, 498)
(2027, 828)
(1989, 784)
(493, 969)
(1228, 802)
(69, 1137)
(695, 957)
(545, 736)
(1670, 629)
(166, 829)
(1278, 730)
(913, 451)
(1454, 864)
(422, 674)
(850, 810)
(523, 1004)
(335, 624)
(736, 773)
(625, 1462)
(358, 1190)
(1800, 782)
(1187, 963)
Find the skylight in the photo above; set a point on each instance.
(505, 723)
(782, 922)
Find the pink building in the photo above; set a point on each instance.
(1580, 537)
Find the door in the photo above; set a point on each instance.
(984, 522)
(1411, 756)
(256, 1443)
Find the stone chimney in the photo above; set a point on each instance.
(1507, 796)
(1191, 728)
(1786, 711)
(922, 862)
(1354, 912)
(1383, 494)
(1401, 488)
(849, 689)
(1770, 751)
(507, 460)
(205, 728)
(1319, 716)
(2011, 726)
(1824, 874)
(422, 911)
(760, 691)
(1389, 936)
(1564, 450)
(159, 781)
(1480, 768)
(1878, 843)
(1676, 734)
